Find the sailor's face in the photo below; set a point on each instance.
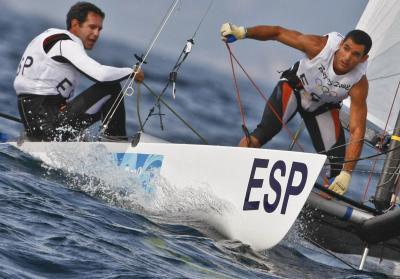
(89, 30)
(348, 56)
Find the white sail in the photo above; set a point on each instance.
(381, 20)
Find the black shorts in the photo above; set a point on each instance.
(52, 118)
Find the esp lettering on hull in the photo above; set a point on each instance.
(279, 168)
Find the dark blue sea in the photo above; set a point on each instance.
(59, 224)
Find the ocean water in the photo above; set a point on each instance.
(71, 224)
(95, 222)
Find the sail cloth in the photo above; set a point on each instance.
(381, 20)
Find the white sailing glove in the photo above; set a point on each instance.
(341, 183)
(230, 32)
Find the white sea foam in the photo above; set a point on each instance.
(95, 171)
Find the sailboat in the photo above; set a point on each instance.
(251, 190)
(256, 189)
(372, 226)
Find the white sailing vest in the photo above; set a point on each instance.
(321, 84)
(39, 74)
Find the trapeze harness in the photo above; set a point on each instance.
(45, 83)
(312, 88)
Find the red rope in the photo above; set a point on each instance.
(271, 107)
(237, 89)
(231, 55)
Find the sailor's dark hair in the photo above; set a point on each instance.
(80, 11)
(361, 38)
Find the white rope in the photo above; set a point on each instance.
(128, 86)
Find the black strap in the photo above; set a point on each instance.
(291, 77)
(50, 41)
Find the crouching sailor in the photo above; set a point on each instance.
(48, 74)
(334, 68)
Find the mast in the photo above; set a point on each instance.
(381, 20)
(386, 185)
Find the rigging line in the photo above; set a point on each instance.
(383, 159)
(351, 142)
(339, 146)
(390, 112)
(176, 114)
(392, 168)
(138, 108)
(125, 88)
(366, 167)
(179, 61)
(156, 104)
(367, 157)
(360, 171)
(175, 68)
(182, 57)
(382, 139)
(178, 64)
(265, 98)
(364, 197)
(364, 158)
(378, 159)
(297, 135)
(237, 92)
(10, 117)
(396, 172)
(329, 252)
(202, 19)
(166, 18)
(139, 65)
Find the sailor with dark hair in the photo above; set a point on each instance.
(48, 75)
(80, 10)
(333, 69)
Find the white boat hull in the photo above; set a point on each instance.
(263, 190)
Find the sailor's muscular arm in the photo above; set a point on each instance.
(357, 122)
(75, 55)
(311, 45)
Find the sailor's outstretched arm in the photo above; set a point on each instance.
(311, 45)
(76, 55)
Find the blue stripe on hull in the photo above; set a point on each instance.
(347, 215)
(146, 166)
